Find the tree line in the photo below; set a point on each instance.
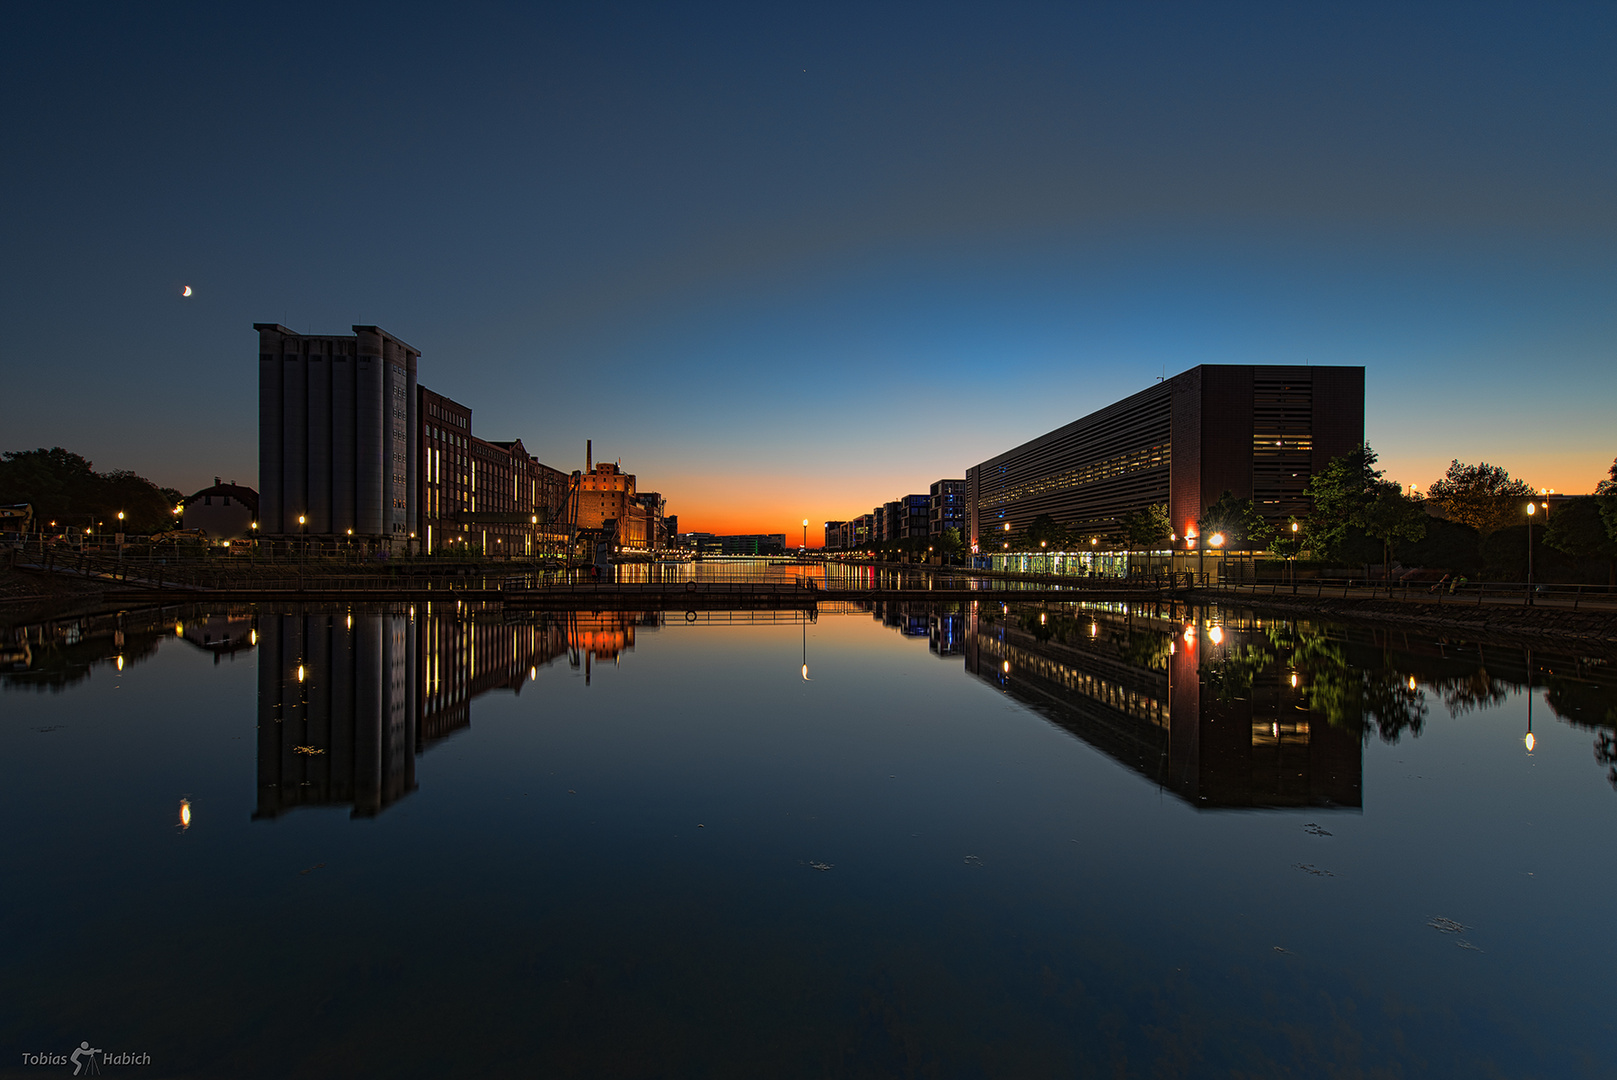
(1359, 516)
(64, 488)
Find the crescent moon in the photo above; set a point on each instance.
(186, 291)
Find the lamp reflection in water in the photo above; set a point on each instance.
(1529, 741)
(185, 814)
(805, 650)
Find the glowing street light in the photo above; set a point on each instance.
(1532, 507)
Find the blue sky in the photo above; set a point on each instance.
(789, 261)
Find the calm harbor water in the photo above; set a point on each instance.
(901, 840)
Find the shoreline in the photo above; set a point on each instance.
(1596, 629)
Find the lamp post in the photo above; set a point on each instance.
(805, 534)
(303, 547)
(1532, 507)
(1291, 558)
(1217, 540)
(120, 540)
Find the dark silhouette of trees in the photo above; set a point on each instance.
(1606, 495)
(1339, 492)
(1483, 496)
(1238, 521)
(1578, 528)
(65, 488)
(1390, 516)
(1148, 529)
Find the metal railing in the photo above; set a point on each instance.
(1475, 593)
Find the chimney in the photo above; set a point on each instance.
(216, 481)
(589, 456)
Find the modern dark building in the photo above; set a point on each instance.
(754, 544)
(337, 435)
(948, 507)
(865, 530)
(1257, 431)
(913, 519)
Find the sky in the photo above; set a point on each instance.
(791, 261)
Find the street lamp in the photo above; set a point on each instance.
(805, 534)
(1291, 559)
(1532, 508)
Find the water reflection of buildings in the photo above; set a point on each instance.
(348, 700)
(1213, 722)
(222, 633)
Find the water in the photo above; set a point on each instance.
(972, 842)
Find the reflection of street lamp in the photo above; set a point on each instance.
(1529, 741)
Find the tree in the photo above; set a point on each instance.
(1044, 528)
(1483, 496)
(1288, 538)
(1578, 528)
(1237, 520)
(1148, 529)
(949, 544)
(1389, 515)
(1606, 493)
(64, 487)
(1338, 493)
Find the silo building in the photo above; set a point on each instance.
(337, 433)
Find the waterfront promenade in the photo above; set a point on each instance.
(1584, 613)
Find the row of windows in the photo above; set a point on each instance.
(1022, 663)
(437, 412)
(1133, 461)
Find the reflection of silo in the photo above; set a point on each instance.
(344, 733)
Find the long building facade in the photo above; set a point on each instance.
(1259, 432)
